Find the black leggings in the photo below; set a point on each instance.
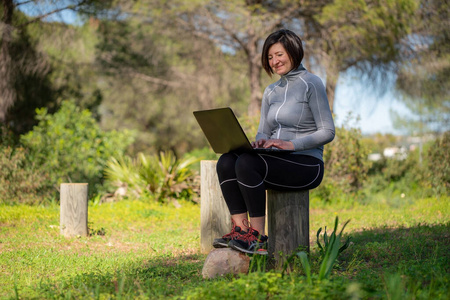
(245, 177)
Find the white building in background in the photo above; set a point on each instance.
(401, 152)
(398, 153)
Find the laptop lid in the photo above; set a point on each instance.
(224, 133)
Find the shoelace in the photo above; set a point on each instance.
(251, 234)
(233, 232)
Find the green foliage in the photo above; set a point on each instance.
(168, 177)
(328, 253)
(19, 181)
(438, 164)
(156, 73)
(424, 77)
(71, 147)
(346, 164)
(269, 285)
(396, 175)
(205, 153)
(331, 249)
(142, 256)
(124, 171)
(424, 171)
(162, 176)
(367, 29)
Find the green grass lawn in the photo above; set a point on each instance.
(145, 250)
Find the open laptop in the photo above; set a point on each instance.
(224, 133)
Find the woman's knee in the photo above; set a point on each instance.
(226, 163)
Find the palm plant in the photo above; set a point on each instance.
(166, 176)
(124, 171)
(162, 176)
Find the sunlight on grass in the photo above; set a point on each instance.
(32, 250)
(139, 248)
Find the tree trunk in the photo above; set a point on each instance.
(7, 93)
(330, 87)
(254, 67)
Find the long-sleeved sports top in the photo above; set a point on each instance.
(296, 109)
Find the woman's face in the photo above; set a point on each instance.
(279, 59)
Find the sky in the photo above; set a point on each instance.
(373, 110)
(350, 96)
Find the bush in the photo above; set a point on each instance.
(71, 146)
(346, 165)
(395, 174)
(438, 165)
(163, 176)
(19, 182)
(414, 175)
(205, 153)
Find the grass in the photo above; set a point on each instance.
(400, 250)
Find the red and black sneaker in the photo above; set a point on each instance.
(252, 242)
(223, 242)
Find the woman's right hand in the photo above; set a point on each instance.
(259, 143)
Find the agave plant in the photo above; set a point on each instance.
(331, 249)
(166, 176)
(329, 252)
(124, 171)
(163, 176)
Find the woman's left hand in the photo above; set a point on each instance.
(280, 144)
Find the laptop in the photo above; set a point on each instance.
(225, 134)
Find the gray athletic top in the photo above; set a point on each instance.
(296, 109)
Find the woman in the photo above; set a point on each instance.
(295, 115)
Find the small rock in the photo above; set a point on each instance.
(225, 261)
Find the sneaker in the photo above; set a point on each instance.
(223, 242)
(252, 242)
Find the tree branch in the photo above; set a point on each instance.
(73, 6)
(26, 2)
(152, 79)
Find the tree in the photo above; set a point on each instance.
(23, 69)
(367, 36)
(361, 35)
(424, 76)
(237, 27)
(154, 76)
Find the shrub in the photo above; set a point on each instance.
(205, 153)
(163, 176)
(438, 164)
(19, 182)
(346, 165)
(71, 146)
(395, 175)
(413, 175)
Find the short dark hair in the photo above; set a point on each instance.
(290, 41)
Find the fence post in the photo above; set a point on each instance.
(288, 218)
(215, 219)
(74, 209)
